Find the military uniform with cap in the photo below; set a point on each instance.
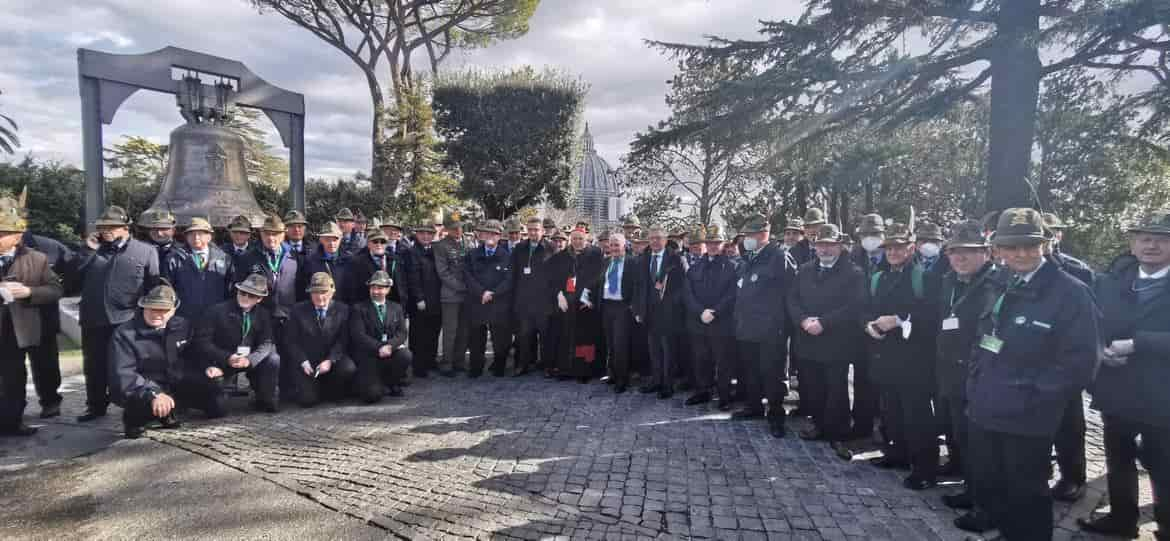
(365, 263)
(961, 299)
(1130, 388)
(280, 269)
(901, 362)
(489, 270)
(760, 315)
(202, 278)
(336, 264)
(113, 277)
(313, 335)
(711, 338)
(802, 251)
(354, 240)
(162, 221)
(299, 248)
(33, 285)
(238, 226)
(372, 327)
(425, 308)
(866, 397)
(147, 362)
(1038, 349)
(226, 330)
(831, 294)
(450, 256)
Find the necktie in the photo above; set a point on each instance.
(611, 282)
(874, 260)
(381, 262)
(200, 262)
(489, 253)
(320, 315)
(654, 266)
(247, 325)
(381, 313)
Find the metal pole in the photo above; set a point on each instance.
(91, 135)
(296, 163)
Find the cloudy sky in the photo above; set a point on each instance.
(599, 40)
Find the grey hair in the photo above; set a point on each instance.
(620, 238)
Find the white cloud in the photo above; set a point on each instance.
(85, 39)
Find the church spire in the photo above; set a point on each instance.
(588, 138)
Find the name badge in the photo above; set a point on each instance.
(384, 339)
(527, 270)
(739, 283)
(243, 351)
(950, 324)
(755, 277)
(991, 343)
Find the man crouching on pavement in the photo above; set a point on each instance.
(235, 336)
(147, 367)
(378, 342)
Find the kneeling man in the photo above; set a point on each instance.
(317, 336)
(148, 370)
(236, 336)
(377, 332)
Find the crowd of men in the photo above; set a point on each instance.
(983, 337)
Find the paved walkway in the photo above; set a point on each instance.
(524, 458)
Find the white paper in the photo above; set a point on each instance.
(243, 351)
(950, 324)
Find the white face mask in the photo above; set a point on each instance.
(929, 250)
(750, 244)
(871, 243)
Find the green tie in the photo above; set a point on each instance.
(381, 313)
(198, 261)
(247, 323)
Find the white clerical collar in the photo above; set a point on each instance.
(1155, 276)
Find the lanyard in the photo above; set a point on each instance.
(247, 326)
(275, 267)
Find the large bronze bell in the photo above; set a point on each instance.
(206, 175)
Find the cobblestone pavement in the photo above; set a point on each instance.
(531, 458)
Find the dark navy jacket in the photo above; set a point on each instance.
(423, 281)
(362, 267)
(662, 313)
(1049, 354)
(1136, 391)
(338, 267)
(199, 289)
(965, 301)
(760, 313)
(143, 359)
(283, 292)
(483, 273)
(1077, 268)
(711, 285)
(836, 297)
(895, 360)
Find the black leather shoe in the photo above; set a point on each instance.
(665, 393)
(974, 522)
(647, 389)
(266, 406)
(135, 432)
(843, 451)
(961, 500)
(724, 405)
(698, 398)
(1068, 491)
(916, 483)
(447, 373)
(619, 388)
(812, 433)
(520, 372)
(21, 431)
(91, 415)
(50, 411)
(890, 463)
(747, 413)
(394, 390)
(170, 421)
(1108, 525)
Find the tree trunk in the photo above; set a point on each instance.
(1015, 90)
(843, 215)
